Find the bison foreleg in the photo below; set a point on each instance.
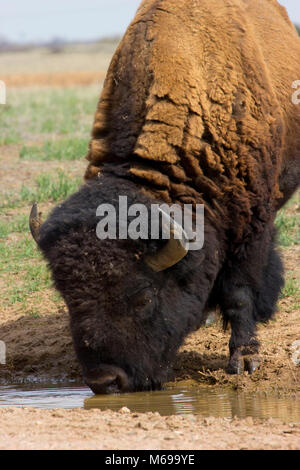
(243, 345)
(243, 306)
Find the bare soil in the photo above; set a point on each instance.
(63, 79)
(94, 429)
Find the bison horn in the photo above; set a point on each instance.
(174, 250)
(35, 221)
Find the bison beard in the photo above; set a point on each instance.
(220, 131)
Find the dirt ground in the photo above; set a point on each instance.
(106, 430)
(41, 349)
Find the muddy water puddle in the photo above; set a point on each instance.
(44, 396)
(199, 401)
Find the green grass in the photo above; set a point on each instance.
(291, 289)
(51, 124)
(26, 275)
(288, 223)
(64, 149)
(15, 255)
(50, 189)
(31, 114)
(35, 278)
(288, 227)
(47, 188)
(21, 264)
(18, 225)
(23, 268)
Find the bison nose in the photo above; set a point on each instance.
(107, 379)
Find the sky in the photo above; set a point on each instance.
(43, 20)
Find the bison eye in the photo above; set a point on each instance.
(142, 299)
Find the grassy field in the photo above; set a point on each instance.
(44, 137)
(42, 114)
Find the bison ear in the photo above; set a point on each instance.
(174, 250)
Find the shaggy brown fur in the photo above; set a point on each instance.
(198, 101)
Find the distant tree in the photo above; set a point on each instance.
(298, 28)
(56, 46)
(4, 44)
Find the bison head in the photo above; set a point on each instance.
(130, 304)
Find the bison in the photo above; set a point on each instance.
(196, 108)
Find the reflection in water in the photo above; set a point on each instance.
(202, 401)
(47, 396)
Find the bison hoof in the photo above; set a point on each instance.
(239, 364)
